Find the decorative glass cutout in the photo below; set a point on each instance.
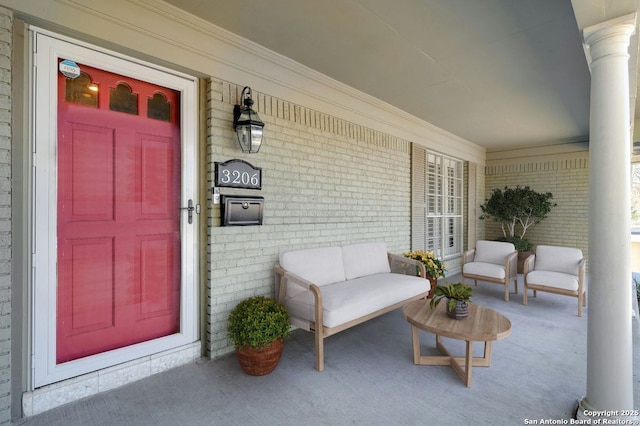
(121, 99)
(81, 90)
(158, 108)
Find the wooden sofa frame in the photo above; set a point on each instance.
(283, 277)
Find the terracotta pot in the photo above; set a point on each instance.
(522, 256)
(434, 283)
(461, 311)
(258, 362)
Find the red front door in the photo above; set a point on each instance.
(118, 213)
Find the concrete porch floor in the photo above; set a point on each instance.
(537, 373)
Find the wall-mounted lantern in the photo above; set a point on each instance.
(247, 124)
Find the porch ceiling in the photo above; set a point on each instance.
(500, 73)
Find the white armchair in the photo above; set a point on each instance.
(492, 261)
(559, 270)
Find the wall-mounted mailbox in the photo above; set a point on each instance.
(241, 211)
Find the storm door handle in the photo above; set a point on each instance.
(190, 209)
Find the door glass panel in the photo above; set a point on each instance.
(121, 99)
(158, 108)
(81, 90)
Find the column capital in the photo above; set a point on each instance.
(615, 34)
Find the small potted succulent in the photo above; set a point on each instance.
(258, 326)
(458, 297)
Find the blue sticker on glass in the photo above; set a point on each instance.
(69, 69)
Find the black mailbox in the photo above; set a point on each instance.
(241, 211)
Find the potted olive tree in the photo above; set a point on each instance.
(258, 326)
(458, 297)
(517, 209)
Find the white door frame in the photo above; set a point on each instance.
(47, 48)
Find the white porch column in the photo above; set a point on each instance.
(609, 341)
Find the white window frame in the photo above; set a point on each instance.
(437, 203)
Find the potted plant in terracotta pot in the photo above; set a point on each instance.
(258, 326)
(435, 268)
(458, 299)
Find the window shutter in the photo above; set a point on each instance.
(418, 198)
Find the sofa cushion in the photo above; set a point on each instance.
(553, 279)
(348, 300)
(321, 266)
(558, 259)
(484, 269)
(365, 259)
(495, 252)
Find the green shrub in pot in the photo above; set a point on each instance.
(257, 321)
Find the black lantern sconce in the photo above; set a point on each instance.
(247, 124)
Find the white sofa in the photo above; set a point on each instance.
(327, 290)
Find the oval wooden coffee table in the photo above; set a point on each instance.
(482, 325)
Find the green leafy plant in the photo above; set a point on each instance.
(258, 321)
(519, 206)
(454, 292)
(435, 267)
(521, 244)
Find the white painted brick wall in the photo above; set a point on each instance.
(325, 182)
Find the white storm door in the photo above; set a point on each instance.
(103, 169)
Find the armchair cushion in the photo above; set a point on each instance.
(558, 259)
(485, 269)
(493, 251)
(553, 279)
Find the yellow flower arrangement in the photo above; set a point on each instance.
(434, 266)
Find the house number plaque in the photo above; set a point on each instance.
(238, 174)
